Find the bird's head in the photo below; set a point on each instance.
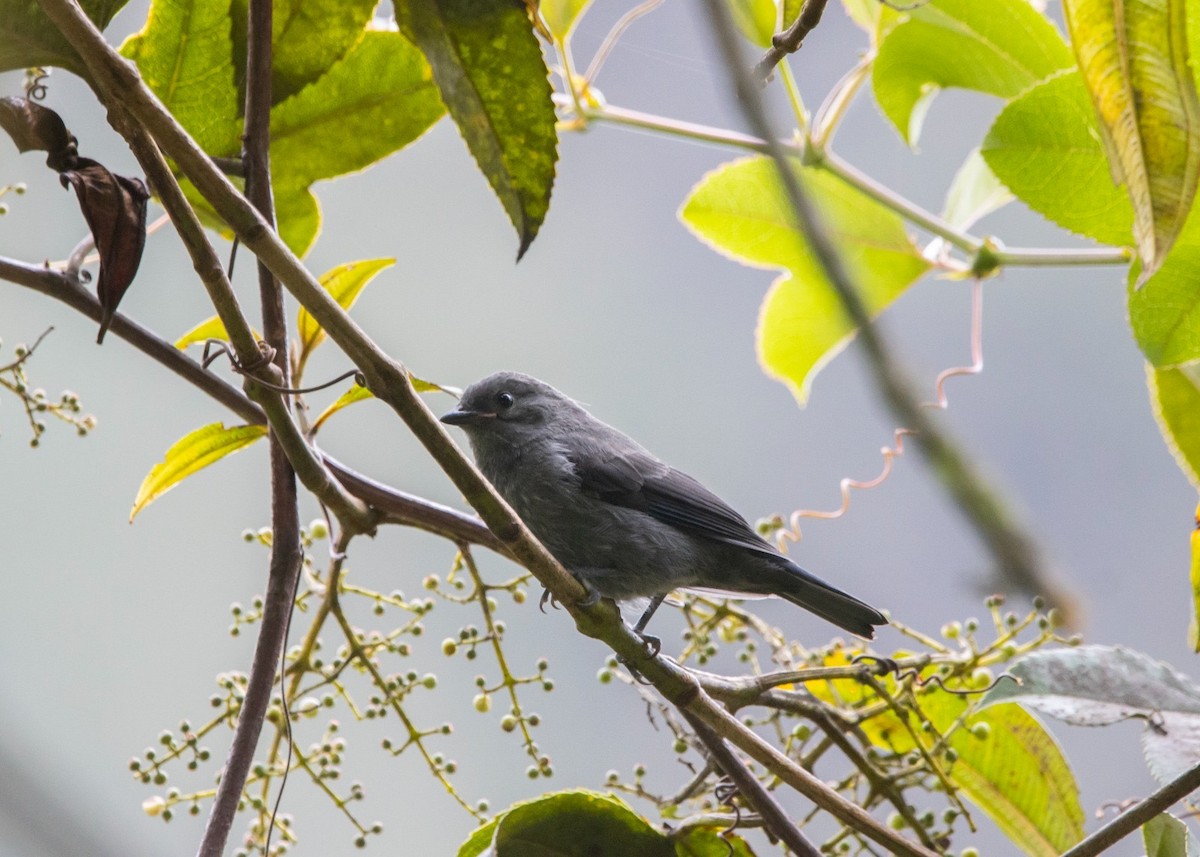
(510, 406)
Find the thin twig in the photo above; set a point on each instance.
(789, 41)
(748, 786)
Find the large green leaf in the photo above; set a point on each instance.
(740, 210)
(1165, 312)
(1045, 147)
(488, 65)
(1014, 771)
(307, 38)
(191, 454)
(375, 101)
(577, 824)
(1000, 47)
(1099, 685)
(1133, 55)
(1175, 396)
(28, 38)
(184, 54)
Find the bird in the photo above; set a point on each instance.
(627, 525)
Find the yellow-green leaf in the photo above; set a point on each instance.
(355, 394)
(757, 19)
(1133, 55)
(344, 284)
(741, 211)
(1175, 397)
(191, 454)
(1013, 770)
(560, 15)
(210, 328)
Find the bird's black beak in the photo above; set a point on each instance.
(460, 417)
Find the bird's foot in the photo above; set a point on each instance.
(653, 644)
(547, 598)
(592, 597)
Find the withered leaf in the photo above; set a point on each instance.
(115, 210)
(37, 128)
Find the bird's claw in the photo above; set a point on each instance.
(653, 644)
(592, 597)
(547, 598)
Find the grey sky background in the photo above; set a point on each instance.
(110, 632)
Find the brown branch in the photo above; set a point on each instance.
(1015, 551)
(790, 40)
(1137, 815)
(774, 818)
(285, 561)
(396, 507)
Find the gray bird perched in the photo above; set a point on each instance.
(624, 523)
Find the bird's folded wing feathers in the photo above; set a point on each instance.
(640, 481)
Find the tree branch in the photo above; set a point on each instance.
(773, 816)
(284, 565)
(1137, 815)
(789, 41)
(1017, 554)
(396, 507)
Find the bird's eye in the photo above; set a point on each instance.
(504, 401)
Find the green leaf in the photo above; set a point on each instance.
(28, 38)
(479, 841)
(307, 38)
(210, 328)
(377, 100)
(1165, 312)
(1000, 47)
(1016, 774)
(705, 842)
(757, 19)
(357, 393)
(1100, 685)
(1134, 60)
(864, 13)
(1165, 836)
(488, 65)
(974, 193)
(577, 824)
(1175, 397)
(344, 284)
(1045, 147)
(184, 54)
(740, 210)
(1096, 685)
(191, 454)
(560, 15)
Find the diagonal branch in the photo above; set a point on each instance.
(396, 507)
(1137, 815)
(773, 816)
(1017, 554)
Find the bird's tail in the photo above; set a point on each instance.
(830, 603)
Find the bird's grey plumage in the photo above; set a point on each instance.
(619, 519)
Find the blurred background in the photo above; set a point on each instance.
(110, 633)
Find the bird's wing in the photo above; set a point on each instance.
(637, 480)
